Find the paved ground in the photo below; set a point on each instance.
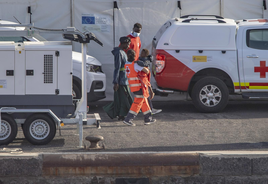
(241, 126)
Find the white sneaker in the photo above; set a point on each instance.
(150, 122)
(129, 123)
(155, 111)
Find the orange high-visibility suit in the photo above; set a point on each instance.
(141, 93)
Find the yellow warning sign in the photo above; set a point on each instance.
(199, 58)
(1, 86)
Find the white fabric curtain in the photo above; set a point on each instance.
(243, 9)
(110, 24)
(204, 7)
(104, 10)
(45, 14)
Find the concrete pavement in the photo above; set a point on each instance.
(227, 147)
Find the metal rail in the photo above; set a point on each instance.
(195, 15)
(31, 30)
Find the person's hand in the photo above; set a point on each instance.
(152, 96)
(145, 70)
(116, 87)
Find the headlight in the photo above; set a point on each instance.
(93, 68)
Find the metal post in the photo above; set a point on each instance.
(72, 16)
(83, 108)
(80, 130)
(77, 128)
(0, 119)
(115, 6)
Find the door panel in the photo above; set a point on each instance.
(41, 77)
(255, 59)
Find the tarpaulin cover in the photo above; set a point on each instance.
(109, 24)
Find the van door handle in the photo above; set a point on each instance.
(252, 56)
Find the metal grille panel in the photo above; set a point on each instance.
(48, 68)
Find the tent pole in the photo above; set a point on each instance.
(71, 16)
(71, 13)
(115, 6)
(222, 8)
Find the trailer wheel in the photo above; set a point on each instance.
(210, 94)
(39, 129)
(9, 130)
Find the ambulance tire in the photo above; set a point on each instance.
(39, 129)
(216, 100)
(9, 129)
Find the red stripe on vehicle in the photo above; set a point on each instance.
(258, 84)
(242, 87)
(176, 75)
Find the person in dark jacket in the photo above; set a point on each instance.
(122, 97)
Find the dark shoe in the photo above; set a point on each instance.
(129, 123)
(155, 111)
(121, 118)
(150, 122)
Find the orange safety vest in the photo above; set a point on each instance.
(135, 44)
(134, 82)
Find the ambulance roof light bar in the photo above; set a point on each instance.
(196, 19)
(187, 16)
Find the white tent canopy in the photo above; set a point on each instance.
(109, 23)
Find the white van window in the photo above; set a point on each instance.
(201, 36)
(160, 32)
(257, 39)
(14, 39)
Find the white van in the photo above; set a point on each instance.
(210, 57)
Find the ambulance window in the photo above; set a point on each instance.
(160, 32)
(197, 36)
(257, 39)
(14, 39)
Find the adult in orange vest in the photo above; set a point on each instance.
(139, 87)
(135, 42)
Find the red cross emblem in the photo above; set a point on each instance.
(262, 69)
(127, 70)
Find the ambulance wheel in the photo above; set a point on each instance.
(39, 129)
(210, 94)
(9, 130)
(76, 92)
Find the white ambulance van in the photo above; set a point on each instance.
(211, 57)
